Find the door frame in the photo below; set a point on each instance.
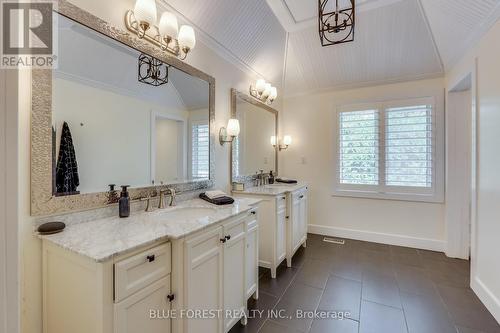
(9, 231)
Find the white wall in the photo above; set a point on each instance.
(228, 74)
(9, 239)
(114, 124)
(485, 279)
(257, 127)
(310, 120)
(168, 135)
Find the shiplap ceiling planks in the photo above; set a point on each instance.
(246, 28)
(396, 40)
(458, 24)
(392, 43)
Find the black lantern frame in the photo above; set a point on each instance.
(152, 71)
(336, 27)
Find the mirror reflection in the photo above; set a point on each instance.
(120, 117)
(252, 150)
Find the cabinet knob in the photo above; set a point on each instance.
(228, 237)
(253, 212)
(151, 258)
(301, 196)
(223, 240)
(287, 217)
(283, 198)
(170, 297)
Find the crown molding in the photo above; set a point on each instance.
(365, 84)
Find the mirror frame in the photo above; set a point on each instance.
(235, 94)
(43, 202)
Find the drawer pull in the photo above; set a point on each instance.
(170, 297)
(253, 212)
(301, 196)
(228, 237)
(223, 240)
(287, 217)
(151, 258)
(283, 198)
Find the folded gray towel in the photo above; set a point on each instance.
(217, 201)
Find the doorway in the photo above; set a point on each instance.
(461, 166)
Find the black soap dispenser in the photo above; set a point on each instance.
(271, 177)
(124, 202)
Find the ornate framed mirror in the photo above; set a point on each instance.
(116, 110)
(253, 150)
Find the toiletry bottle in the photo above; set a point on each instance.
(124, 202)
(271, 177)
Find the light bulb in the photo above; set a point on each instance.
(274, 140)
(287, 140)
(267, 91)
(145, 11)
(168, 25)
(233, 127)
(260, 86)
(273, 94)
(186, 37)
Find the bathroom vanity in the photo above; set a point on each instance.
(283, 227)
(189, 268)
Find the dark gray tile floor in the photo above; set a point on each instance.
(384, 289)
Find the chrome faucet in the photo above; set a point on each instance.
(172, 197)
(161, 202)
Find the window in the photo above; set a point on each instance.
(390, 150)
(200, 151)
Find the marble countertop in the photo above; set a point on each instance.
(103, 239)
(274, 189)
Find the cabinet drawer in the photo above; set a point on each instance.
(235, 229)
(281, 201)
(252, 219)
(139, 271)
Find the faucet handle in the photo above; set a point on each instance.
(149, 208)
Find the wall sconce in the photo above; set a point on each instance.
(166, 35)
(264, 92)
(287, 140)
(227, 134)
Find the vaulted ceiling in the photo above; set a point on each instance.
(396, 40)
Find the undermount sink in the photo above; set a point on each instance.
(186, 213)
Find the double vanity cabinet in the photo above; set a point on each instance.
(283, 222)
(175, 270)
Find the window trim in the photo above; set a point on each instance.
(435, 194)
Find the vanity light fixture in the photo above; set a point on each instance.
(152, 71)
(166, 35)
(264, 91)
(227, 134)
(287, 141)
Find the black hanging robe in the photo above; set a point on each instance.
(67, 180)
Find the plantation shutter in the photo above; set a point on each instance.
(409, 146)
(359, 147)
(200, 152)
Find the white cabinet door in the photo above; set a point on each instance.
(296, 225)
(281, 235)
(252, 255)
(303, 214)
(234, 270)
(203, 288)
(141, 311)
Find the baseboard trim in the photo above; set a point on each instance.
(377, 237)
(489, 300)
